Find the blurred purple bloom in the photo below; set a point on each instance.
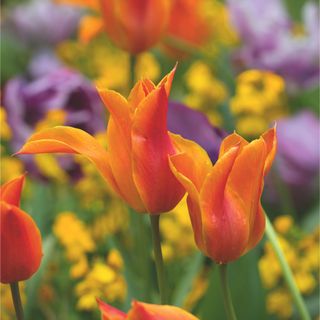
(28, 99)
(298, 148)
(269, 41)
(44, 22)
(194, 125)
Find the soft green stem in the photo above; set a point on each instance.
(231, 315)
(158, 257)
(15, 293)
(301, 307)
(133, 59)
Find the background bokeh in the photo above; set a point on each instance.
(242, 65)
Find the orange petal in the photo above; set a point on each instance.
(167, 80)
(246, 177)
(270, 138)
(257, 229)
(10, 192)
(137, 94)
(71, 140)
(151, 146)
(146, 311)
(120, 160)
(231, 141)
(110, 313)
(89, 28)
(191, 175)
(119, 147)
(225, 228)
(20, 243)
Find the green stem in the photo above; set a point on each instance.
(132, 63)
(15, 293)
(231, 315)
(301, 307)
(158, 257)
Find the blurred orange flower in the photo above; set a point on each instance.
(133, 25)
(224, 200)
(136, 163)
(21, 251)
(144, 311)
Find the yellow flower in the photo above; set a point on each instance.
(305, 282)
(73, 235)
(270, 271)
(5, 131)
(279, 303)
(283, 223)
(147, 67)
(115, 260)
(80, 268)
(258, 101)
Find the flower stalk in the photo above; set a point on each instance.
(158, 258)
(231, 315)
(287, 273)
(15, 293)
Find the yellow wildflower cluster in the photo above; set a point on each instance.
(6, 304)
(108, 66)
(177, 234)
(223, 33)
(103, 280)
(97, 278)
(206, 92)
(302, 254)
(258, 101)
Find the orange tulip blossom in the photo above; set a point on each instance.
(133, 25)
(224, 200)
(21, 251)
(144, 311)
(136, 163)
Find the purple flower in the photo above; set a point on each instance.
(27, 101)
(194, 125)
(44, 22)
(269, 41)
(298, 148)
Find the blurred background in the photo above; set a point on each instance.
(242, 65)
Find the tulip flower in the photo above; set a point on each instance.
(133, 25)
(224, 200)
(144, 311)
(20, 238)
(136, 163)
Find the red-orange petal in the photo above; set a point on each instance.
(191, 175)
(151, 146)
(10, 192)
(246, 178)
(71, 140)
(110, 313)
(225, 227)
(146, 311)
(20, 243)
(270, 138)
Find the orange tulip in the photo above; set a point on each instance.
(135, 25)
(224, 200)
(144, 311)
(187, 23)
(20, 238)
(136, 163)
